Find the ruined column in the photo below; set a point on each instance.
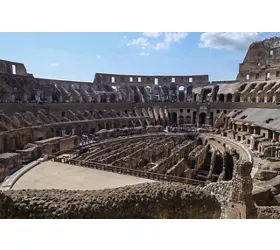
(241, 204)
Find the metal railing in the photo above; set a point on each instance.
(133, 172)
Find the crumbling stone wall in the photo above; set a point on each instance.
(157, 200)
(235, 196)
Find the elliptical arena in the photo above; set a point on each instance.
(129, 146)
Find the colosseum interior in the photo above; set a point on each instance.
(131, 146)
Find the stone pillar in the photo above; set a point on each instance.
(98, 98)
(73, 131)
(177, 95)
(241, 204)
(63, 132)
(61, 99)
(252, 142)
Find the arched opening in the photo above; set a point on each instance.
(108, 125)
(138, 123)
(242, 87)
(136, 98)
(189, 90)
(237, 97)
(218, 166)
(221, 98)
(205, 94)
(165, 93)
(181, 121)
(174, 119)
(199, 141)
(156, 93)
(103, 98)
(181, 93)
(112, 98)
(188, 120)
(229, 97)
(68, 130)
(202, 119)
(100, 126)
(173, 89)
(229, 167)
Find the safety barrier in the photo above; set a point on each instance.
(133, 172)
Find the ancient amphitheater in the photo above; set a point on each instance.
(129, 146)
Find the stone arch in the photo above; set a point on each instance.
(165, 91)
(113, 98)
(202, 119)
(181, 120)
(229, 97)
(237, 97)
(136, 98)
(205, 93)
(188, 120)
(138, 124)
(78, 130)
(221, 97)
(103, 98)
(173, 90)
(199, 141)
(189, 90)
(108, 125)
(174, 119)
(181, 93)
(68, 129)
(100, 126)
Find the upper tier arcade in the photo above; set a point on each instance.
(262, 61)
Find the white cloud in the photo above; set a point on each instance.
(152, 34)
(227, 40)
(54, 64)
(144, 53)
(98, 56)
(151, 41)
(169, 38)
(140, 42)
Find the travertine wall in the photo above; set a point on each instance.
(152, 201)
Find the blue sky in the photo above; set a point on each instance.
(78, 56)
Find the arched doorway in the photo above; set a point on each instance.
(181, 93)
(188, 120)
(221, 98)
(229, 97)
(202, 119)
(174, 119)
(205, 94)
(181, 120)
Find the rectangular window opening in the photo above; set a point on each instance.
(113, 79)
(130, 79)
(247, 76)
(156, 81)
(173, 79)
(190, 79)
(139, 79)
(14, 70)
